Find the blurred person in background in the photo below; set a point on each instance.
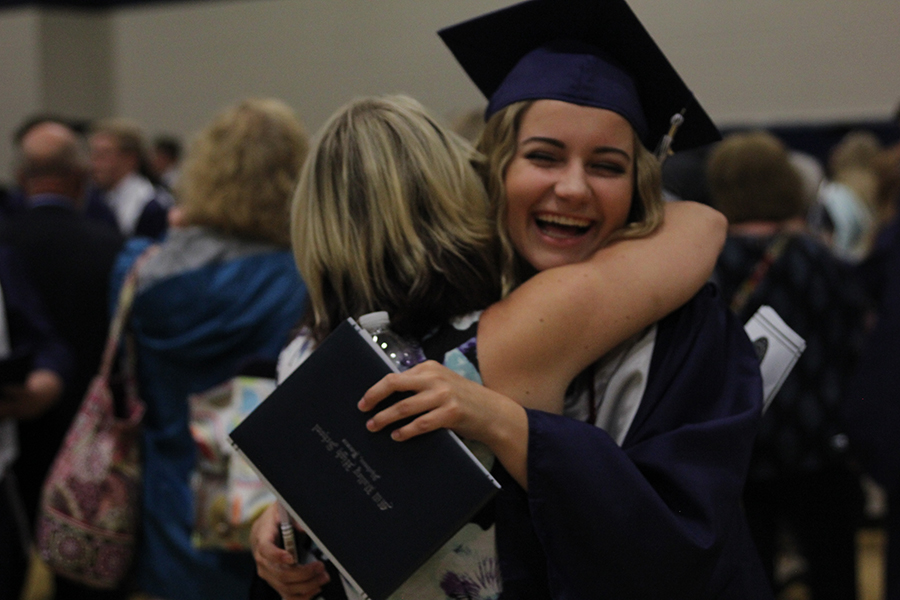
(69, 258)
(121, 175)
(25, 332)
(165, 160)
(846, 210)
(872, 410)
(221, 291)
(800, 474)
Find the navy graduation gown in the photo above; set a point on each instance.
(659, 517)
(872, 412)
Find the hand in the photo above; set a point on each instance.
(276, 565)
(42, 388)
(442, 399)
(445, 399)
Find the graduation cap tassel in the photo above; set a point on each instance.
(663, 151)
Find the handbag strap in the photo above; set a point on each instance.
(773, 250)
(123, 310)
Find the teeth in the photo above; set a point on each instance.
(564, 220)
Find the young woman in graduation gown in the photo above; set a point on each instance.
(635, 493)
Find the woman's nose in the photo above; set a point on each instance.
(572, 183)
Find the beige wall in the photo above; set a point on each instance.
(787, 61)
(76, 72)
(57, 61)
(171, 65)
(19, 75)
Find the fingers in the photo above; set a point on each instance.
(439, 400)
(409, 380)
(265, 529)
(272, 555)
(447, 416)
(296, 582)
(417, 404)
(276, 566)
(263, 542)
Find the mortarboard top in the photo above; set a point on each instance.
(589, 52)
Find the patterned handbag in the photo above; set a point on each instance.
(90, 504)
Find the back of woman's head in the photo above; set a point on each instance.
(856, 150)
(751, 178)
(240, 171)
(390, 214)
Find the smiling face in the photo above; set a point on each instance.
(570, 183)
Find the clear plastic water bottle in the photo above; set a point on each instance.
(403, 352)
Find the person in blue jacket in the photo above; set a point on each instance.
(221, 291)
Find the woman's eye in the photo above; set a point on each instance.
(605, 167)
(540, 157)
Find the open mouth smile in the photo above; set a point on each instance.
(562, 227)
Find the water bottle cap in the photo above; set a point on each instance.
(375, 320)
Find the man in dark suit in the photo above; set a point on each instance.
(25, 331)
(69, 259)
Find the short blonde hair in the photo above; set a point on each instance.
(390, 214)
(499, 142)
(856, 150)
(240, 171)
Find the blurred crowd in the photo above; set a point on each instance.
(816, 240)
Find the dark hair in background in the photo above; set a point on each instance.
(751, 178)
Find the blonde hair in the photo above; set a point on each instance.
(499, 143)
(390, 214)
(240, 171)
(856, 150)
(854, 162)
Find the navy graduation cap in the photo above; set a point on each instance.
(587, 52)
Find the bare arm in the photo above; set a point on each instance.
(533, 343)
